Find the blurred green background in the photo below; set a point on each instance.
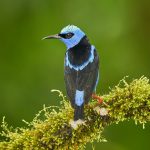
(30, 68)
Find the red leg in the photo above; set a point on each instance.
(98, 98)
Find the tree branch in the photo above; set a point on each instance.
(50, 129)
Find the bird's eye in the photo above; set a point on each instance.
(69, 35)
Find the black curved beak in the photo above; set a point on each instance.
(56, 36)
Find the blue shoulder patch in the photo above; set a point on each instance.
(96, 82)
(79, 97)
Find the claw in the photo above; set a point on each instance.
(75, 124)
(102, 111)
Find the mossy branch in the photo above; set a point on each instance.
(50, 129)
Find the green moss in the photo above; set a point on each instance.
(50, 129)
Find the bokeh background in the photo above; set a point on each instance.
(30, 67)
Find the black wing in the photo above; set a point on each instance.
(84, 80)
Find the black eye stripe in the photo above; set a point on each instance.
(66, 36)
(62, 35)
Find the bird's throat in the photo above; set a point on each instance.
(80, 53)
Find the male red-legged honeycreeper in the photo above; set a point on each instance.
(81, 69)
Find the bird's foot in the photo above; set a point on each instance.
(99, 99)
(75, 124)
(102, 111)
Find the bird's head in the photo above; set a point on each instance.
(71, 35)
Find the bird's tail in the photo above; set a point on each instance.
(79, 112)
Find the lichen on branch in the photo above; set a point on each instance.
(51, 130)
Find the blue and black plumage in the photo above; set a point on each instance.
(81, 68)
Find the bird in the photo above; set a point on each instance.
(81, 68)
